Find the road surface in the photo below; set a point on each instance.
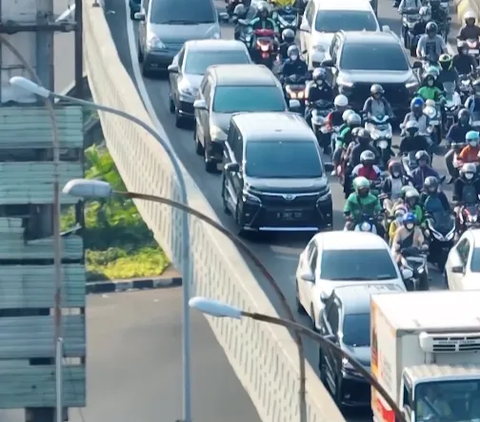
(278, 252)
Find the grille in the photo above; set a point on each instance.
(173, 46)
(396, 94)
(274, 201)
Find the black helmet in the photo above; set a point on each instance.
(462, 47)
(464, 115)
(376, 89)
(446, 61)
(422, 155)
(288, 35)
(431, 184)
(431, 28)
(364, 136)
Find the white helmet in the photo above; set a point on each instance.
(469, 15)
(340, 101)
(347, 113)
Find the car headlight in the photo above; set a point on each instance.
(153, 42)
(185, 88)
(248, 38)
(217, 134)
(325, 196)
(347, 367)
(249, 197)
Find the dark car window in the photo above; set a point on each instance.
(197, 62)
(475, 264)
(232, 99)
(350, 264)
(378, 56)
(345, 20)
(356, 329)
(333, 318)
(182, 12)
(282, 160)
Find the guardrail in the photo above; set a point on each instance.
(261, 355)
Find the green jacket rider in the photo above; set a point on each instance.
(345, 135)
(361, 202)
(428, 90)
(411, 199)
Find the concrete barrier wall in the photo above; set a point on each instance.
(264, 357)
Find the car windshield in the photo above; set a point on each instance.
(182, 12)
(357, 265)
(196, 62)
(356, 330)
(282, 160)
(345, 20)
(358, 56)
(232, 99)
(475, 264)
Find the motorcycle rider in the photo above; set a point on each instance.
(416, 114)
(335, 118)
(318, 89)
(429, 90)
(468, 177)
(430, 43)
(377, 104)
(262, 19)
(411, 200)
(431, 191)
(367, 167)
(399, 211)
(409, 6)
(352, 120)
(294, 65)
(470, 31)
(472, 104)
(423, 171)
(361, 202)
(393, 184)
(288, 39)
(364, 144)
(439, 14)
(408, 235)
(413, 141)
(456, 141)
(469, 153)
(463, 62)
(447, 73)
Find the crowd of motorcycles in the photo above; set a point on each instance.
(401, 181)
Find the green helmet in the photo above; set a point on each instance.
(361, 183)
(405, 189)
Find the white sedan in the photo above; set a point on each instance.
(462, 270)
(339, 258)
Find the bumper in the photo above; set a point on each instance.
(215, 151)
(268, 217)
(185, 106)
(158, 59)
(356, 391)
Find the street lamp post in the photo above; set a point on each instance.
(42, 92)
(222, 310)
(83, 188)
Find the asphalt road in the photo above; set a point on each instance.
(64, 60)
(278, 252)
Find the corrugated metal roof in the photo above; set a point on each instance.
(30, 127)
(34, 386)
(33, 286)
(32, 182)
(12, 245)
(33, 337)
(424, 372)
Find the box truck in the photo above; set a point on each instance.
(426, 354)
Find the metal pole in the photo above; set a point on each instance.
(57, 259)
(186, 277)
(59, 381)
(79, 49)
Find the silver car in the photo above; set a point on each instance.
(167, 24)
(190, 64)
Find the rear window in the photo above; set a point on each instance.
(197, 62)
(182, 12)
(356, 265)
(345, 20)
(233, 99)
(373, 57)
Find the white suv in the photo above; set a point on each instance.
(323, 18)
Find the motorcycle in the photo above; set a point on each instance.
(263, 46)
(287, 18)
(409, 20)
(434, 124)
(441, 227)
(474, 49)
(295, 89)
(464, 86)
(366, 224)
(320, 111)
(380, 130)
(452, 104)
(468, 212)
(414, 269)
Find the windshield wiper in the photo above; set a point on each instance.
(350, 279)
(384, 277)
(178, 21)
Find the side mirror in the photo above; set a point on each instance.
(307, 276)
(329, 167)
(385, 28)
(332, 338)
(200, 104)
(324, 297)
(457, 269)
(232, 167)
(173, 68)
(294, 105)
(139, 16)
(417, 65)
(406, 274)
(223, 17)
(327, 63)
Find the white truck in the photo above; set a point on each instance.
(426, 354)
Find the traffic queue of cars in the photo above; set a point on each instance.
(351, 284)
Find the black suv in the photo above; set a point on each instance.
(274, 178)
(346, 321)
(359, 59)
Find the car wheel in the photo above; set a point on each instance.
(300, 308)
(312, 318)
(199, 150)
(171, 104)
(139, 54)
(226, 210)
(145, 70)
(338, 396)
(179, 119)
(210, 166)
(239, 221)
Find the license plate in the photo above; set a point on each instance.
(290, 215)
(473, 51)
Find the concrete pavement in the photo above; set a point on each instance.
(278, 252)
(64, 51)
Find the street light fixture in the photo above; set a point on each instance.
(222, 310)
